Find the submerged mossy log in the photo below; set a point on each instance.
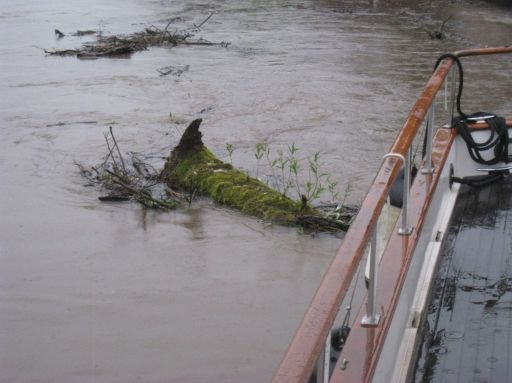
(191, 166)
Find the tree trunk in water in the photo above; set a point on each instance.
(191, 166)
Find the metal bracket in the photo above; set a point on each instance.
(370, 321)
(406, 229)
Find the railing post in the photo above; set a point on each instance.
(427, 165)
(322, 364)
(327, 359)
(406, 229)
(371, 319)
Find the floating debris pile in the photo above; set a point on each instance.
(192, 170)
(130, 180)
(125, 45)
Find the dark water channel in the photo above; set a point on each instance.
(113, 293)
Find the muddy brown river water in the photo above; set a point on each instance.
(98, 292)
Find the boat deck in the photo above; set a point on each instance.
(468, 331)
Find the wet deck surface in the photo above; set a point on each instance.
(469, 324)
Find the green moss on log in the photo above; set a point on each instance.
(193, 167)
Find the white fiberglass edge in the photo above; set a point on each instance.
(407, 350)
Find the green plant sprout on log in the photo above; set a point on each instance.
(285, 174)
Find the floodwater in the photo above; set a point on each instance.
(92, 291)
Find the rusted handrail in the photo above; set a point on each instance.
(307, 344)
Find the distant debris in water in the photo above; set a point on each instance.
(59, 34)
(175, 70)
(207, 109)
(125, 45)
(177, 119)
(438, 34)
(84, 33)
(60, 123)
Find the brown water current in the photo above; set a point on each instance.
(92, 291)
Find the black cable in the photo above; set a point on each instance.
(499, 139)
(480, 181)
(462, 115)
(461, 78)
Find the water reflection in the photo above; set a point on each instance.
(472, 292)
(194, 223)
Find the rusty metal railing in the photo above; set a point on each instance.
(310, 338)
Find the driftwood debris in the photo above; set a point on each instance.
(195, 169)
(124, 180)
(438, 33)
(125, 45)
(175, 70)
(192, 169)
(61, 123)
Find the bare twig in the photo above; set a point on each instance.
(321, 223)
(164, 73)
(201, 42)
(140, 167)
(110, 154)
(88, 173)
(167, 26)
(114, 198)
(444, 22)
(165, 31)
(65, 52)
(118, 151)
(204, 21)
(70, 123)
(142, 196)
(156, 28)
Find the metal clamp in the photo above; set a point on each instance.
(394, 155)
(405, 229)
(371, 318)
